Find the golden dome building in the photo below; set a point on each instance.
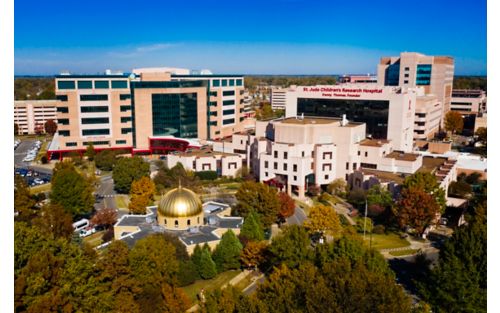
(180, 209)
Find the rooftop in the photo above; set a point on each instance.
(401, 156)
(309, 120)
(202, 153)
(430, 164)
(373, 142)
(385, 176)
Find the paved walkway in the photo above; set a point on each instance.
(414, 245)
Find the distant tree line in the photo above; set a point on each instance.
(251, 82)
(31, 88)
(470, 82)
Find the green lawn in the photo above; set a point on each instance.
(121, 201)
(387, 241)
(210, 284)
(42, 151)
(403, 252)
(244, 282)
(40, 188)
(95, 239)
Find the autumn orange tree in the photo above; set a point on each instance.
(416, 209)
(453, 122)
(105, 217)
(287, 206)
(252, 254)
(324, 220)
(50, 127)
(141, 193)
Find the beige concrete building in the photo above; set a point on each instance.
(427, 117)
(468, 101)
(29, 114)
(278, 98)
(352, 78)
(225, 164)
(411, 69)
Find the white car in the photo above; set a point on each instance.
(87, 231)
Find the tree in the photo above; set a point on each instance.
(141, 194)
(379, 199)
(16, 129)
(90, 152)
(105, 217)
(482, 137)
(259, 197)
(338, 187)
(105, 160)
(50, 127)
(39, 128)
(252, 228)
(429, 183)
(458, 282)
(460, 189)
(55, 221)
(127, 170)
(207, 267)
(453, 122)
(287, 207)
(170, 178)
(227, 253)
(188, 273)
(175, 300)
(357, 197)
(153, 260)
(252, 254)
(323, 220)
(23, 202)
(416, 209)
(291, 247)
(71, 190)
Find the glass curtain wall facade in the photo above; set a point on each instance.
(175, 115)
(392, 75)
(375, 113)
(424, 74)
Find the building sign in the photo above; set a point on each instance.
(342, 92)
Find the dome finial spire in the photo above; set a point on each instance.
(180, 186)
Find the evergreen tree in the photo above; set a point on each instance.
(227, 253)
(90, 152)
(252, 228)
(196, 256)
(127, 170)
(207, 268)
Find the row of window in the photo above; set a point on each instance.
(228, 121)
(95, 120)
(93, 97)
(87, 84)
(228, 112)
(95, 143)
(95, 132)
(227, 82)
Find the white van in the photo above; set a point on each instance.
(81, 224)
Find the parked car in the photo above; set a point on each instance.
(81, 224)
(87, 231)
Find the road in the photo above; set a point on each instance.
(106, 189)
(297, 218)
(21, 152)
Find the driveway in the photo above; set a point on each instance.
(22, 151)
(297, 218)
(106, 190)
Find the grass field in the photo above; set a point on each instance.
(403, 252)
(210, 284)
(95, 239)
(40, 188)
(387, 241)
(242, 284)
(42, 151)
(121, 201)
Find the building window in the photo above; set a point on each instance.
(63, 121)
(266, 164)
(275, 165)
(165, 221)
(125, 108)
(189, 222)
(276, 154)
(285, 155)
(95, 120)
(228, 112)
(99, 109)
(407, 68)
(175, 115)
(93, 97)
(224, 82)
(84, 84)
(96, 143)
(347, 166)
(228, 102)
(71, 144)
(326, 177)
(212, 103)
(63, 98)
(295, 178)
(303, 153)
(346, 177)
(228, 93)
(228, 121)
(126, 119)
(64, 133)
(66, 84)
(327, 167)
(213, 93)
(406, 82)
(327, 155)
(285, 166)
(176, 223)
(368, 165)
(125, 96)
(216, 83)
(239, 82)
(126, 131)
(407, 75)
(231, 82)
(121, 142)
(101, 84)
(94, 132)
(359, 152)
(424, 74)
(119, 84)
(354, 166)
(295, 167)
(366, 153)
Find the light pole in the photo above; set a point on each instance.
(366, 212)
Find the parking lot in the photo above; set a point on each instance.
(33, 177)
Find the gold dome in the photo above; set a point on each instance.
(180, 202)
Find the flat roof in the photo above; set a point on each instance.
(401, 156)
(134, 220)
(207, 76)
(124, 75)
(430, 164)
(373, 142)
(202, 153)
(385, 176)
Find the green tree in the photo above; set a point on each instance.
(453, 122)
(252, 228)
(458, 282)
(169, 178)
(90, 152)
(252, 254)
(260, 198)
(71, 190)
(429, 183)
(291, 247)
(338, 187)
(55, 221)
(105, 160)
(127, 170)
(50, 127)
(196, 256)
(379, 199)
(227, 253)
(323, 220)
(207, 268)
(23, 202)
(482, 137)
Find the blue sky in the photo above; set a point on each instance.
(247, 37)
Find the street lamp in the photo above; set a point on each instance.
(366, 212)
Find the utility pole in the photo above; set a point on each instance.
(364, 227)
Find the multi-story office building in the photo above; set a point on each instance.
(350, 78)
(427, 117)
(468, 101)
(151, 111)
(278, 98)
(388, 112)
(410, 69)
(30, 114)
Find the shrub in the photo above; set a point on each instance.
(108, 235)
(206, 175)
(44, 160)
(379, 229)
